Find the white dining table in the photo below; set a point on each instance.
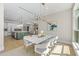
(35, 39)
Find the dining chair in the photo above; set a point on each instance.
(42, 48)
(27, 43)
(53, 41)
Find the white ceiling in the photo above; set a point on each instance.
(13, 12)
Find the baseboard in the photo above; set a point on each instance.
(64, 41)
(1, 50)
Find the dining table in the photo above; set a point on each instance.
(34, 39)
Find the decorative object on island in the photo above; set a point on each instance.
(41, 34)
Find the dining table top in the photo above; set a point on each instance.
(36, 40)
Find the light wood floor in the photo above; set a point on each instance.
(11, 43)
(60, 49)
(63, 49)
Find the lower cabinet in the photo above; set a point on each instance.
(19, 35)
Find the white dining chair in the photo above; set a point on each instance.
(53, 41)
(42, 48)
(27, 43)
(56, 40)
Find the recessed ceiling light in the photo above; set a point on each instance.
(43, 3)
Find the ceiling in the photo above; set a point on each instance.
(14, 11)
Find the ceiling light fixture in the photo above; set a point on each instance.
(46, 7)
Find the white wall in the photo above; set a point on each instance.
(1, 27)
(43, 25)
(64, 29)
